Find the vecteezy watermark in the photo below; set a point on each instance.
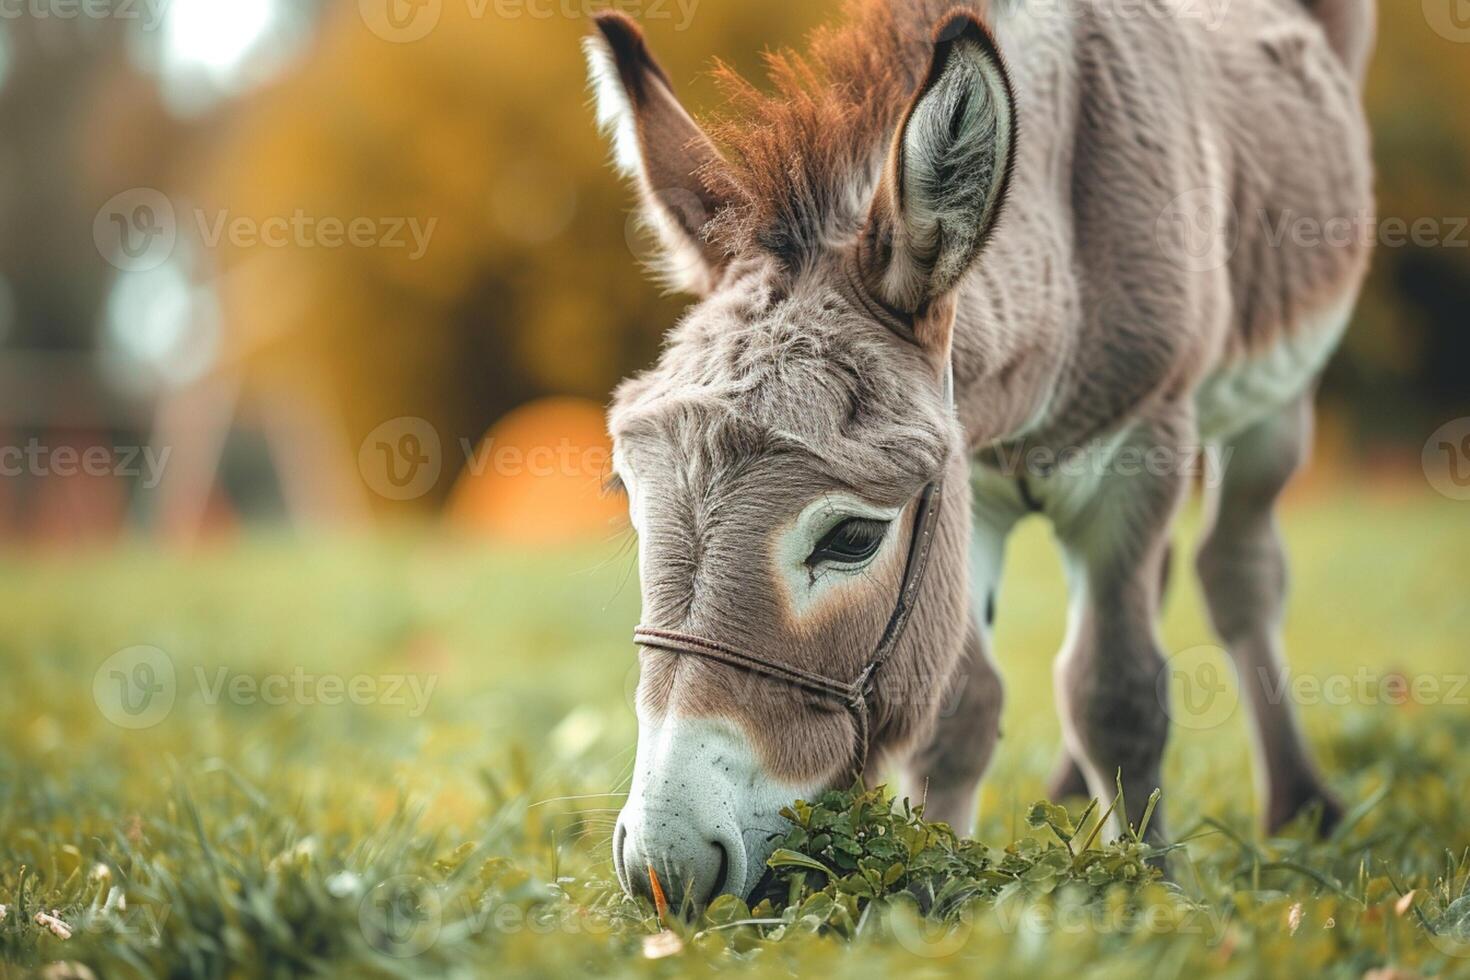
(940, 691)
(1198, 688)
(1449, 932)
(1173, 916)
(411, 691)
(405, 21)
(402, 916)
(300, 229)
(137, 688)
(1450, 19)
(1064, 914)
(138, 230)
(149, 13)
(1365, 686)
(1446, 459)
(538, 918)
(561, 458)
(1210, 14)
(403, 458)
(1100, 459)
(108, 914)
(1363, 228)
(113, 916)
(1201, 229)
(37, 459)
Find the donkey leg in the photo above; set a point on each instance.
(1115, 545)
(1066, 779)
(1242, 567)
(945, 772)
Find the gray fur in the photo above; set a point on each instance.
(1081, 319)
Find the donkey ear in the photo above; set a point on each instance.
(946, 174)
(658, 145)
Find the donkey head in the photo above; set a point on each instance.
(773, 457)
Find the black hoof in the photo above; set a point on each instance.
(1319, 807)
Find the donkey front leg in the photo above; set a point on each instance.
(1242, 567)
(1066, 778)
(945, 772)
(1113, 718)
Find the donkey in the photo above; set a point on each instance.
(944, 240)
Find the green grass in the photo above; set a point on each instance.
(237, 836)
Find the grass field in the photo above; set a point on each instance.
(451, 815)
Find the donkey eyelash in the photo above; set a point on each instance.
(865, 535)
(816, 573)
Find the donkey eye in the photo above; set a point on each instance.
(853, 541)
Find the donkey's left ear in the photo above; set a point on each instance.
(946, 176)
(658, 144)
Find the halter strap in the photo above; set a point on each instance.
(696, 646)
(856, 695)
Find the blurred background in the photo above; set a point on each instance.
(309, 311)
(321, 262)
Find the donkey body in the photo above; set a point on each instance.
(1092, 215)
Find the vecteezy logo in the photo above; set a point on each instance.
(401, 917)
(1211, 13)
(1450, 931)
(922, 936)
(135, 688)
(1198, 230)
(136, 230)
(400, 21)
(1446, 459)
(1450, 19)
(1197, 688)
(401, 459)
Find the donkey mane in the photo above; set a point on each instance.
(1129, 316)
(800, 160)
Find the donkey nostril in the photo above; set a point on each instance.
(721, 875)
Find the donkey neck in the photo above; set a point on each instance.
(1017, 326)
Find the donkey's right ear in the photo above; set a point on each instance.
(658, 145)
(946, 177)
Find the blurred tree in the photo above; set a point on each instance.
(530, 284)
(480, 130)
(75, 117)
(1402, 371)
(500, 263)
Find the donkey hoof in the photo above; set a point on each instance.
(1066, 781)
(1319, 807)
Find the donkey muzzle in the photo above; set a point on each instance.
(701, 811)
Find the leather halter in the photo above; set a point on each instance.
(857, 694)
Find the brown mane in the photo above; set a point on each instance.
(1132, 329)
(800, 158)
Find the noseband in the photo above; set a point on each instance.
(857, 694)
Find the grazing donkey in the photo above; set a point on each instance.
(949, 240)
